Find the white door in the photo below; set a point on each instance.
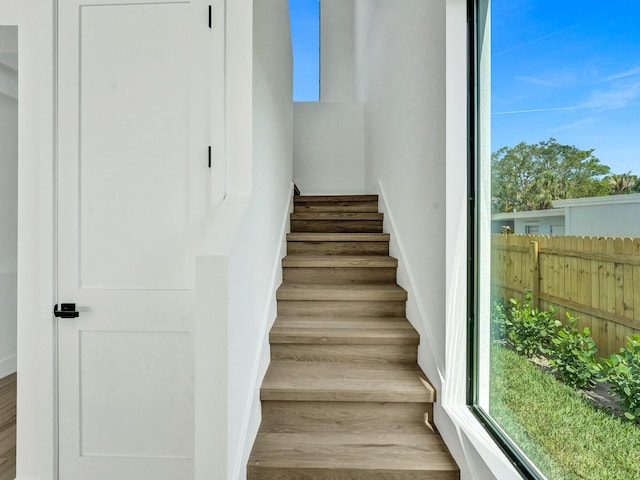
(133, 186)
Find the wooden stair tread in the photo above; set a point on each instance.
(337, 261)
(390, 452)
(345, 417)
(326, 381)
(340, 216)
(353, 321)
(354, 333)
(335, 198)
(352, 292)
(337, 237)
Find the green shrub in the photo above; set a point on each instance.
(498, 320)
(623, 373)
(572, 355)
(530, 330)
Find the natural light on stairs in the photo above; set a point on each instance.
(343, 397)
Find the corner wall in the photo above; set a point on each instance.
(254, 263)
(8, 197)
(328, 148)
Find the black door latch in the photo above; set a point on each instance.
(67, 310)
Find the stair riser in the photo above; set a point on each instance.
(261, 473)
(356, 207)
(340, 276)
(364, 354)
(337, 226)
(347, 417)
(341, 396)
(343, 308)
(338, 248)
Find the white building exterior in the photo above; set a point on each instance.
(610, 216)
(606, 216)
(405, 80)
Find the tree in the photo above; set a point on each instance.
(621, 183)
(531, 176)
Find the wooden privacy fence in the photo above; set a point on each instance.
(597, 280)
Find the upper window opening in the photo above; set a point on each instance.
(305, 40)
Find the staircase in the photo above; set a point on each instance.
(343, 398)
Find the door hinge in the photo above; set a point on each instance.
(209, 156)
(210, 16)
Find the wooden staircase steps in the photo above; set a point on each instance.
(343, 222)
(343, 203)
(336, 293)
(340, 382)
(310, 243)
(359, 332)
(350, 456)
(343, 397)
(339, 269)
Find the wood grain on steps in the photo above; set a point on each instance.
(345, 222)
(357, 292)
(334, 198)
(362, 207)
(335, 382)
(353, 456)
(345, 353)
(337, 216)
(339, 261)
(367, 332)
(345, 417)
(337, 237)
(343, 397)
(341, 308)
(311, 243)
(339, 269)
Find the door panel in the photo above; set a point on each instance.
(134, 197)
(133, 189)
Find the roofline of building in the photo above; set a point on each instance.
(604, 200)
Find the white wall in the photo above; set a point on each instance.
(403, 88)
(254, 265)
(36, 416)
(337, 50)
(605, 220)
(411, 72)
(238, 268)
(328, 148)
(8, 198)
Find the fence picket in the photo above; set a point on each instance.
(596, 279)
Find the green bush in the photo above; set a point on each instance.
(573, 355)
(498, 320)
(530, 330)
(623, 373)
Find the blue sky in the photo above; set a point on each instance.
(305, 34)
(570, 70)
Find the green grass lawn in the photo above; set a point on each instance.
(562, 433)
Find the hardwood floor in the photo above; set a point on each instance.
(8, 427)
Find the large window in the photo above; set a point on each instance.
(555, 306)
